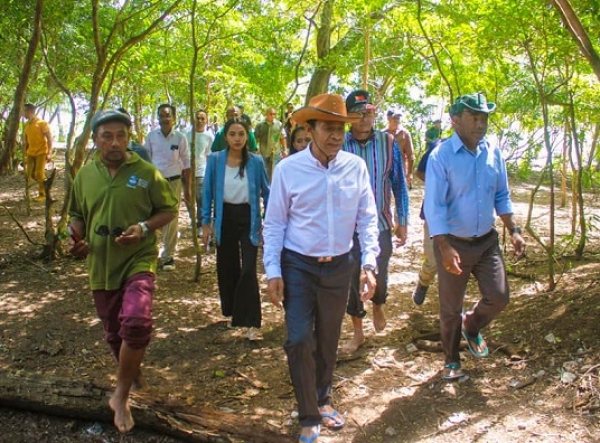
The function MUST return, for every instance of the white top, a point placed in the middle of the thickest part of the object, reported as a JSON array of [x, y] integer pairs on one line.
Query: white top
[[315, 210], [235, 189], [170, 154], [203, 142]]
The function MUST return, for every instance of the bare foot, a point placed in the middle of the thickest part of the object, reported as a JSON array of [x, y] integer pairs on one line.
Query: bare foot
[[123, 418], [353, 345], [139, 383], [379, 320]]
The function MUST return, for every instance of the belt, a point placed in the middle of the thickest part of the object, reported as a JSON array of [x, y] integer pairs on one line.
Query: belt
[[175, 177], [323, 259], [473, 239]]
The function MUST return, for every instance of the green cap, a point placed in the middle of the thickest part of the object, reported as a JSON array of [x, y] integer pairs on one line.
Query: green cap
[[475, 102]]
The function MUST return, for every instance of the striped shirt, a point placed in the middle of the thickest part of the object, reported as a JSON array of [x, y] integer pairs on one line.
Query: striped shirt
[[384, 163]]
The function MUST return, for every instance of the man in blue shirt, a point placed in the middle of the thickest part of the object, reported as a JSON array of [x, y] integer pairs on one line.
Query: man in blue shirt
[[467, 183]]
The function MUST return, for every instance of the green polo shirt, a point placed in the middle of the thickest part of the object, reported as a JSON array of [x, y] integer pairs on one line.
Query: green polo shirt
[[433, 134], [106, 204]]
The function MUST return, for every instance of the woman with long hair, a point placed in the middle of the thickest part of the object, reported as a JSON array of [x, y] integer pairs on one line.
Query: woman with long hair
[[299, 139], [234, 182]]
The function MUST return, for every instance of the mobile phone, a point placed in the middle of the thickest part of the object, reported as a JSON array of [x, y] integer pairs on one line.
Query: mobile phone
[[73, 234]]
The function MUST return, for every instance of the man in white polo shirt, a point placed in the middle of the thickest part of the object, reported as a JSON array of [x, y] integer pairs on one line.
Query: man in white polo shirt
[[170, 154]]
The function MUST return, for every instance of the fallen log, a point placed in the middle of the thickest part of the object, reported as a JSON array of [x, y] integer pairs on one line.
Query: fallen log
[[83, 400]]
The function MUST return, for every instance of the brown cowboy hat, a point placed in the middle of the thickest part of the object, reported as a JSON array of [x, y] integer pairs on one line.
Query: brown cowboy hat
[[327, 107]]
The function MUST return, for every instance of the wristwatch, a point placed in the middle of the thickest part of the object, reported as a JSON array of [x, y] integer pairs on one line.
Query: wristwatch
[[515, 230], [371, 268], [145, 228]]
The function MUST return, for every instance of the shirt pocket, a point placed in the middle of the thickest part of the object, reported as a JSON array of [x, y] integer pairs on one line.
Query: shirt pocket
[[491, 180], [345, 198]]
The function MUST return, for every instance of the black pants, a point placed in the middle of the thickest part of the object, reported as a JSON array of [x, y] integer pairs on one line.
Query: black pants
[[236, 268], [356, 308], [315, 297]]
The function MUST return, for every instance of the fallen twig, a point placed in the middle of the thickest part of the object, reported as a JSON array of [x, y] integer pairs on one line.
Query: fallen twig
[[21, 227]]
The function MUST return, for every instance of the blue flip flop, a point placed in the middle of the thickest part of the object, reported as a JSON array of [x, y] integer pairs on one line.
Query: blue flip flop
[[452, 371], [334, 416], [311, 438], [475, 341]]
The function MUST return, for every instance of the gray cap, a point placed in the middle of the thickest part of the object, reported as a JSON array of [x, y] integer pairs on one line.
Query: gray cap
[[109, 115]]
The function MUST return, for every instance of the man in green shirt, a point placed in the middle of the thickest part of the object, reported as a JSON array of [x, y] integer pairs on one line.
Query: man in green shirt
[[434, 133], [117, 203]]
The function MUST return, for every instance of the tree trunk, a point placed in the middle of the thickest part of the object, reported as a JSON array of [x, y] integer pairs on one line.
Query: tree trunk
[[319, 82], [83, 400], [12, 123], [578, 32]]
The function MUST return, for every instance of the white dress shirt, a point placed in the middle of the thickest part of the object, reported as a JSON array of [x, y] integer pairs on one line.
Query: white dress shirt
[[314, 210], [203, 143], [170, 154]]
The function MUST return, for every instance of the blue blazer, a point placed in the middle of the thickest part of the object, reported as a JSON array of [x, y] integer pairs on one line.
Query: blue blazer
[[212, 193]]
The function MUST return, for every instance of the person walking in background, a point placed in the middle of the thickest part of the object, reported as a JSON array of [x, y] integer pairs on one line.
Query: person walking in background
[[271, 140], [219, 143], [434, 133], [288, 124], [135, 146], [382, 156], [37, 149], [404, 141], [244, 116], [319, 197], [117, 203], [203, 140], [170, 153], [234, 182], [428, 269], [466, 183], [299, 140]]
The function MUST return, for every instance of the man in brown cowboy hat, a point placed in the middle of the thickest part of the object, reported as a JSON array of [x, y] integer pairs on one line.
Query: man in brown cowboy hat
[[318, 197]]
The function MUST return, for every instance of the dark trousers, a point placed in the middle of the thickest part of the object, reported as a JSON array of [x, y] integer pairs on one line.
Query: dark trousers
[[484, 260], [237, 279], [315, 298], [356, 308]]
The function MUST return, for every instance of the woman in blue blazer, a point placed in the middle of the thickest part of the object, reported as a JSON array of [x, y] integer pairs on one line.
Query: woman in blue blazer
[[234, 182]]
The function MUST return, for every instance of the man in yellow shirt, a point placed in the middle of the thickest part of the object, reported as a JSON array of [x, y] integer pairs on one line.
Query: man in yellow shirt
[[37, 148]]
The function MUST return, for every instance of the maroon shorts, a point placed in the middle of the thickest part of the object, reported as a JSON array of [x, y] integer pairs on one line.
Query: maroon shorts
[[126, 313]]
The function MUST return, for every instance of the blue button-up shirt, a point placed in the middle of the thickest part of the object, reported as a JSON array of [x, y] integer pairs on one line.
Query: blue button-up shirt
[[464, 188]]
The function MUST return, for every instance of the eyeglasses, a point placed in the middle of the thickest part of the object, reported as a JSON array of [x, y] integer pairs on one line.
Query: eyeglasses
[[104, 231]]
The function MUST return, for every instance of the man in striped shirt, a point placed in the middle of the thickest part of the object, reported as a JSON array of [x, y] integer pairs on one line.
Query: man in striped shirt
[[382, 155]]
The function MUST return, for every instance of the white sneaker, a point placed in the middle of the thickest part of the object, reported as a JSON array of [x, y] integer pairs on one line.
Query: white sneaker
[[253, 334], [169, 265]]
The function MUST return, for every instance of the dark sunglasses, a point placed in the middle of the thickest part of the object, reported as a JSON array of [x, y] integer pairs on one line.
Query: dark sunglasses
[[104, 231]]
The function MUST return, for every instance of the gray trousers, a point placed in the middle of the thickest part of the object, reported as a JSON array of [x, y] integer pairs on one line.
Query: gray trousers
[[481, 257]]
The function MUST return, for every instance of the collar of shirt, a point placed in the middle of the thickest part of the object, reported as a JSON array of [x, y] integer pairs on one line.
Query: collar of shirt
[[351, 138], [457, 143]]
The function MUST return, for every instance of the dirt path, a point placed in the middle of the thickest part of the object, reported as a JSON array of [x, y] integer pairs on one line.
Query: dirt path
[[391, 391]]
